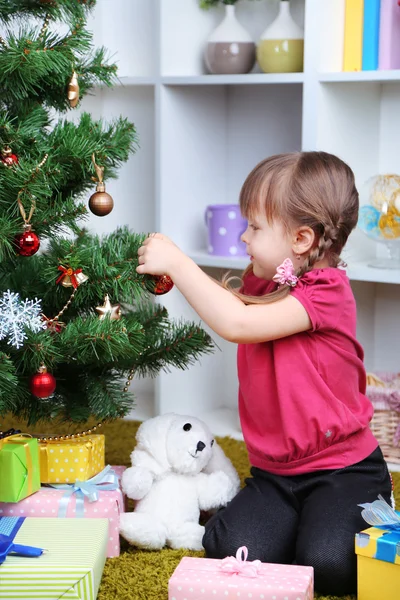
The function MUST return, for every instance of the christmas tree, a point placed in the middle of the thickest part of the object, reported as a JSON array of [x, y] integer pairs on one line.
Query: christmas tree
[[77, 323]]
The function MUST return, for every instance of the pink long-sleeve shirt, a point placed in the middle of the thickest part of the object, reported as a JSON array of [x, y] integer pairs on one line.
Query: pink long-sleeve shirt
[[302, 398]]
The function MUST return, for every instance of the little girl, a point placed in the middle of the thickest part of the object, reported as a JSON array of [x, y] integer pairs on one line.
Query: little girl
[[303, 410]]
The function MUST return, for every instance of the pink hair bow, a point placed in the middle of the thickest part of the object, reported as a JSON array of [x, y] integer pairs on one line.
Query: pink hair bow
[[239, 566], [285, 274]]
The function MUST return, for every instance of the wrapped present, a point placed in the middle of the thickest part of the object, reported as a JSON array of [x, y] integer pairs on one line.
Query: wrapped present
[[70, 567], [98, 497], [19, 467], [234, 576], [378, 553], [72, 459]]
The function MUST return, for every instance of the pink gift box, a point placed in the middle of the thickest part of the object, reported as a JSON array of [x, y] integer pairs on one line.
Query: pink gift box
[[205, 578], [46, 503]]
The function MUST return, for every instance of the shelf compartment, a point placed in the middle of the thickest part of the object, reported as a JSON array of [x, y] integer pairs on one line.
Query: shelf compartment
[[185, 29], [211, 138]]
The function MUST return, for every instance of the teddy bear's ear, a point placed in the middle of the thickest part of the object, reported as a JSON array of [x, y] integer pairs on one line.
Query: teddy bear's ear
[[152, 437]]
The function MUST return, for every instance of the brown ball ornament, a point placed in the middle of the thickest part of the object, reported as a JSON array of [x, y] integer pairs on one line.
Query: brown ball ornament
[[101, 203]]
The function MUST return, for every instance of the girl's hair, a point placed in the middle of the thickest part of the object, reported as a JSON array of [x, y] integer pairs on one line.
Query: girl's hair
[[313, 189]]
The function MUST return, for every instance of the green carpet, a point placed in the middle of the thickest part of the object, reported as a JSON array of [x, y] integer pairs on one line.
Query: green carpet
[[143, 575]]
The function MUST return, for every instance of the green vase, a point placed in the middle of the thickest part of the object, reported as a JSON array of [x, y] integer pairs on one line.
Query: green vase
[[281, 47]]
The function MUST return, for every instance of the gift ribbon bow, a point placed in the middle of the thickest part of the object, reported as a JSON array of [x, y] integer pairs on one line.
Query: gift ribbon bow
[[21, 439], [239, 565], [381, 515], [106, 480], [69, 272], [9, 527]]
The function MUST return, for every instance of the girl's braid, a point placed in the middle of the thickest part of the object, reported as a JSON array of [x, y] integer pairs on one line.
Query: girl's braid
[[325, 242]]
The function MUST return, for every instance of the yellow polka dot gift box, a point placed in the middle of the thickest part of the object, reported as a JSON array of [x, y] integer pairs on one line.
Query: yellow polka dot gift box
[[72, 459], [378, 553], [236, 577]]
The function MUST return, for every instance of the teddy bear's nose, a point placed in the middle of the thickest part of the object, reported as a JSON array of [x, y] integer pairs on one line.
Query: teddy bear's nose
[[200, 446]]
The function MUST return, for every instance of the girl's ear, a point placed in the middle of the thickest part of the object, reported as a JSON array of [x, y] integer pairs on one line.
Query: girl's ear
[[304, 240]]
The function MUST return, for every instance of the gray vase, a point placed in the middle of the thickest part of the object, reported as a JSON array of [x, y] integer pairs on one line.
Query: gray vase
[[230, 49]]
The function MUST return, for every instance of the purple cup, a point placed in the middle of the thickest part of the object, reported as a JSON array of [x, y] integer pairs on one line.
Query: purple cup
[[225, 226]]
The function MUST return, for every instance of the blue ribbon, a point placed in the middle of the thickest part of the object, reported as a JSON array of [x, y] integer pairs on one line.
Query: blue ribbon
[[106, 480], [381, 515], [9, 527]]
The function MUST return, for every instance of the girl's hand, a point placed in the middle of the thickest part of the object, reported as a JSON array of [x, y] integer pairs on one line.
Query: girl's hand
[[158, 255]]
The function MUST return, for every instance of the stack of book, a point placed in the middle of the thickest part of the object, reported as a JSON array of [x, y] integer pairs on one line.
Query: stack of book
[[371, 34]]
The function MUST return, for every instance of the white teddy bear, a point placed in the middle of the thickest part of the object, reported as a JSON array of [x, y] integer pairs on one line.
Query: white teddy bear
[[177, 470]]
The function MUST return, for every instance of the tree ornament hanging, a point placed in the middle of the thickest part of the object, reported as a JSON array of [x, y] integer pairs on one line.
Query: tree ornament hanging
[[27, 243], [70, 277], [158, 284], [42, 384], [73, 90], [113, 312], [16, 316], [8, 158], [100, 203]]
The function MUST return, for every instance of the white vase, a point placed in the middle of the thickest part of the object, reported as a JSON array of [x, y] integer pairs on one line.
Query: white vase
[[229, 48], [281, 47]]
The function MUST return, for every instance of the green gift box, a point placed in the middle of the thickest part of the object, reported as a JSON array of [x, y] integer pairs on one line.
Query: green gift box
[[19, 468], [71, 566]]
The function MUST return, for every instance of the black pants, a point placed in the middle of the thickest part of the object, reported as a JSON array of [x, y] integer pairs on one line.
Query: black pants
[[306, 519]]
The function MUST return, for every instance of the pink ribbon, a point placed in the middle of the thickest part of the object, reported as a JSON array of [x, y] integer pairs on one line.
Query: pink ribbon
[[239, 566], [285, 274]]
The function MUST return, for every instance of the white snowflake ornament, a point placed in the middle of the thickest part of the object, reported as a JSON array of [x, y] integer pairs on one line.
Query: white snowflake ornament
[[16, 315]]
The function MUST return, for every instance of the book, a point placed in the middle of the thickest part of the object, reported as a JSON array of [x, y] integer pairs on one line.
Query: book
[[332, 35], [389, 35], [353, 35], [370, 52]]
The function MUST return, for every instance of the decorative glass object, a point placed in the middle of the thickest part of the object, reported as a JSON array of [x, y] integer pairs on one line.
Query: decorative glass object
[[379, 217], [230, 48], [281, 46]]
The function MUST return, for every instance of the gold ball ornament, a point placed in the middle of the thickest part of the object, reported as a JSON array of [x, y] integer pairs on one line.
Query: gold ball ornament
[[389, 223], [101, 203], [113, 312], [73, 91]]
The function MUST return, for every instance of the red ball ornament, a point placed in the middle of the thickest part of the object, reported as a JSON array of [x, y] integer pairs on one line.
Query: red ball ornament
[[8, 158], [42, 384], [158, 284], [27, 243]]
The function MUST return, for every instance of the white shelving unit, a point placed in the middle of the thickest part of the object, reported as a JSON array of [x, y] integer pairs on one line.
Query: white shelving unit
[[201, 134]]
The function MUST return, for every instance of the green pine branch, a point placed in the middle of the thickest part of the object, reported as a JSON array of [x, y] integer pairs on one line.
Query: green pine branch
[[66, 11], [90, 358]]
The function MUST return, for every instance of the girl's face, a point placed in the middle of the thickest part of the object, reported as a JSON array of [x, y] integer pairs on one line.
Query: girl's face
[[267, 245]]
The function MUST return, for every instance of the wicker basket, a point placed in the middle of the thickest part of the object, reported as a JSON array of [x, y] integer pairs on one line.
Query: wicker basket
[[383, 390]]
